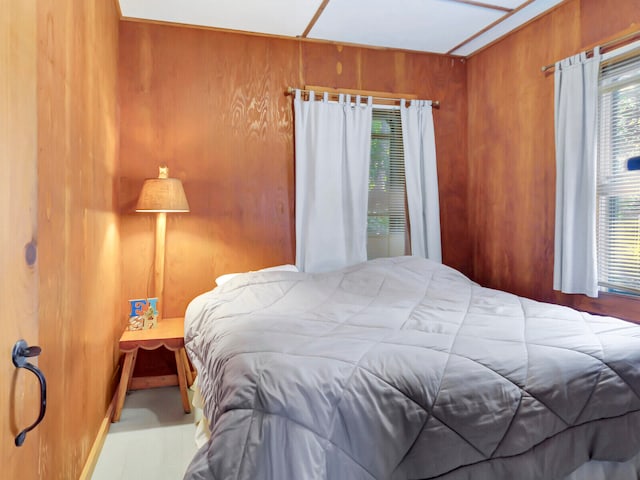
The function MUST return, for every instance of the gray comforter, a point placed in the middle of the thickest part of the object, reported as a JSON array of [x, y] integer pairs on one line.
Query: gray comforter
[[405, 369]]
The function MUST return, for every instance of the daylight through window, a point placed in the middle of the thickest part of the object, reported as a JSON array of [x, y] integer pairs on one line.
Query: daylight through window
[[387, 218], [619, 188]]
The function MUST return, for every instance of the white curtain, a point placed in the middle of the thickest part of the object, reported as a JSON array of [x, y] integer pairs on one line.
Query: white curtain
[[576, 99], [421, 178], [332, 147]]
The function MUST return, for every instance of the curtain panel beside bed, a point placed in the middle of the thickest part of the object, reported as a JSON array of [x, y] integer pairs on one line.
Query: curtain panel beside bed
[[576, 97], [422, 179], [332, 145]]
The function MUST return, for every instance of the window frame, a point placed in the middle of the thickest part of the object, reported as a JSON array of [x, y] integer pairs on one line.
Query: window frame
[[615, 184]]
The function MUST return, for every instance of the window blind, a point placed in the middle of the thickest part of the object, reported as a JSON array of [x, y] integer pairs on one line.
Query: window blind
[[387, 219], [618, 188]]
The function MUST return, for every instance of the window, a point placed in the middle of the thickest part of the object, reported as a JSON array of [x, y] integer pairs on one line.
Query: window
[[618, 188], [387, 223]]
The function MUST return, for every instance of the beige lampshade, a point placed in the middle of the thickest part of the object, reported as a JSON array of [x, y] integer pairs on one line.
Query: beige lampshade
[[162, 194]]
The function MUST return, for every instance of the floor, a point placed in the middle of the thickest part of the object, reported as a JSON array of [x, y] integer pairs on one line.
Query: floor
[[153, 439]]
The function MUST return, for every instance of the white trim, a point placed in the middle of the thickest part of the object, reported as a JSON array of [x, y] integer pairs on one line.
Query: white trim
[[621, 51]]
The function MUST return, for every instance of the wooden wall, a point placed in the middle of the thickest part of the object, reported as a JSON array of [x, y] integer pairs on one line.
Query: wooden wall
[[78, 239], [211, 105], [511, 149]]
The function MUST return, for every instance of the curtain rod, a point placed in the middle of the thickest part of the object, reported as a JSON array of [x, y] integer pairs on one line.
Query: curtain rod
[[615, 42], [291, 90]]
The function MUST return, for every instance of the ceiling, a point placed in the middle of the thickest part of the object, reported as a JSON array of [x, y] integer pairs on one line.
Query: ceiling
[[455, 27]]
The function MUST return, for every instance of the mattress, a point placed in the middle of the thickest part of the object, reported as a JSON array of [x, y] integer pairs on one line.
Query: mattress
[[403, 368]]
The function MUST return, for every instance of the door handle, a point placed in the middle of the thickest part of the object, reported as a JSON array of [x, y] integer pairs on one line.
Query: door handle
[[22, 351]]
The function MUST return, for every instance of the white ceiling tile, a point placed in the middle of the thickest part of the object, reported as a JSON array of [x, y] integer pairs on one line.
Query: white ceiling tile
[[277, 17], [514, 21], [427, 25], [423, 25]]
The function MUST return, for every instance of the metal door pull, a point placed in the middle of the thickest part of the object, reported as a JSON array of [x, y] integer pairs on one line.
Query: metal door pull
[[22, 351]]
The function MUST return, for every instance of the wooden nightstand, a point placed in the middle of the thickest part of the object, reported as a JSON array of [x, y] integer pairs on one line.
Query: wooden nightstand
[[169, 334]]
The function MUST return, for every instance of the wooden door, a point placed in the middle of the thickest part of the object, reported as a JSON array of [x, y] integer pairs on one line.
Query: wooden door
[[19, 389]]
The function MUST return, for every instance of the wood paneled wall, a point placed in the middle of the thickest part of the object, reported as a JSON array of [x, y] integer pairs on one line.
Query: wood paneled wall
[[211, 105], [511, 150], [78, 239]]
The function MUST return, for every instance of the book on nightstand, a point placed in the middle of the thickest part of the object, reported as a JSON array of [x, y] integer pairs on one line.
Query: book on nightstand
[[143, 314]]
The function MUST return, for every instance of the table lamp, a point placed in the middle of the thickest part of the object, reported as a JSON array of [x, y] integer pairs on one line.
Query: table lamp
[[161, 195]]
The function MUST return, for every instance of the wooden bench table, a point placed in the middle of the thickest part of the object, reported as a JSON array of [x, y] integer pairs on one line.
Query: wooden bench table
[[169, 334]]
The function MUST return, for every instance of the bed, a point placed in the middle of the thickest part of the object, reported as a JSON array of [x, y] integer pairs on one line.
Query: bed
[[403, 368]]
